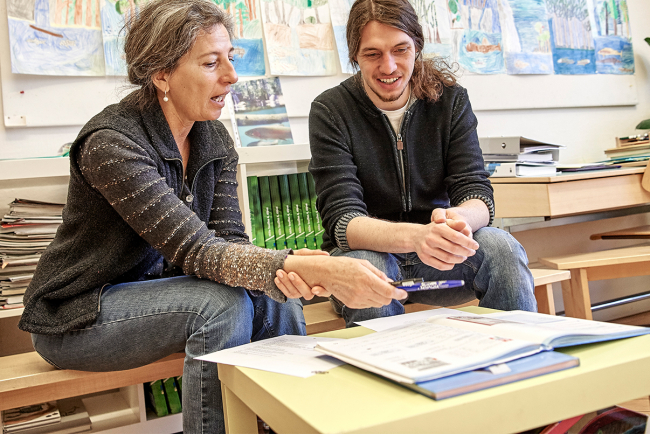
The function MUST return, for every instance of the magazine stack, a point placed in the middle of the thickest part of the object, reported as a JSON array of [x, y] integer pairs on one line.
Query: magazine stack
[[26, 230]]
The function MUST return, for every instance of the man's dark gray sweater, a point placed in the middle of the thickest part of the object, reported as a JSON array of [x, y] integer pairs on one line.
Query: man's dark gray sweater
[[356, 163]]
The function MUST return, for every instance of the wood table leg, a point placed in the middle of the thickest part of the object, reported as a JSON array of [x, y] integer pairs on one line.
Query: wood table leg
[[544, 297], [575, 292], [238, 417]]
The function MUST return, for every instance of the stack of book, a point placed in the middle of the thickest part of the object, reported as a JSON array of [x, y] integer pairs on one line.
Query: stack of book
[[283, 212], [165, 396], [25, 232], [65, 416], [632, 150], [518, 156]]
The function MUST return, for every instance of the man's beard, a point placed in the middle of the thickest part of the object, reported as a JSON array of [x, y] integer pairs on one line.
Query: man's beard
[[389, 99]]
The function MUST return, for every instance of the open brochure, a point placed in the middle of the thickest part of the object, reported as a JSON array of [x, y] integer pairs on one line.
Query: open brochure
[[549, 331], [425, 351]]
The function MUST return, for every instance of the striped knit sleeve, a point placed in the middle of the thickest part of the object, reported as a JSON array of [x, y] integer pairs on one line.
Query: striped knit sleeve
[[128, 178]]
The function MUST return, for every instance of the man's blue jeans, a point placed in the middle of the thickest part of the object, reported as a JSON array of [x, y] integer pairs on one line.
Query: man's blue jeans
[[497, 275], [141, 322]]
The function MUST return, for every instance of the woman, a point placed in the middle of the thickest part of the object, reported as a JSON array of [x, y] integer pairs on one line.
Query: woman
[[152, 257]]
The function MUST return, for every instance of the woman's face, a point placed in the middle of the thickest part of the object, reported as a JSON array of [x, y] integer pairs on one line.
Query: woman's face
[[198, 86]]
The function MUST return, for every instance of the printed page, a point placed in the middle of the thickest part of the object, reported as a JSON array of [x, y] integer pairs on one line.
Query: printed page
[[424, 351], [539, 328], [290, 355], [380, 324]]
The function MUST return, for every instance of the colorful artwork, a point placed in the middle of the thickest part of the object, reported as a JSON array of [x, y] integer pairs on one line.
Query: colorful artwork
[[299, 37], [55, 37], [339, 12], [480, 48], [114, 14], [571, 37], [260, 115], [612, 37], [249, 47], [434, 18], [526, 37]]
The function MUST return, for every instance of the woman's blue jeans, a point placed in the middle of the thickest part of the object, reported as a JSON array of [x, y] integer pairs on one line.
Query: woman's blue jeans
[[141, 322], [497, 275]]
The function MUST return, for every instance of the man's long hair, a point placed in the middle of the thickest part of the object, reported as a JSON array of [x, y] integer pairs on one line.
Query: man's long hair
[[430, 75]]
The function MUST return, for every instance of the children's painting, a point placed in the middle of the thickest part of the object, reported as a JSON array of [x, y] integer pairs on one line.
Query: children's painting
[[339, 12], [55, 37], [571, 37], [480, 47], [299, 37], [248, 44], [114, 14], [434, 18], [526, 37], [260, 115], [612, 37]]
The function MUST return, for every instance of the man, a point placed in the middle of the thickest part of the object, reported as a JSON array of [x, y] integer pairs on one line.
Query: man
[[399, 172]]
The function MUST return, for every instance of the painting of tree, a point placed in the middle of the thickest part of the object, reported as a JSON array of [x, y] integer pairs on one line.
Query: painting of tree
[[571, 25]]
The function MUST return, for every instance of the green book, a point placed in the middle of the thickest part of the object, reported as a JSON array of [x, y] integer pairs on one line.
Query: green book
[[276, 205], [296, 207], [267, 212], [255, 205], [179, 381], [287, 215], [157, 398], [306, 210], [173, 398], [318, 223]]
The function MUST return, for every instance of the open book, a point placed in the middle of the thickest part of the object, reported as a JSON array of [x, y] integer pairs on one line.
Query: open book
[[446, 345], [549, 331]]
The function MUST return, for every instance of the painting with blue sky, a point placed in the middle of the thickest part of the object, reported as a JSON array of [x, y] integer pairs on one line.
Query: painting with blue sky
[[339, 12], [55, 37], [526, 37], [481, 47]]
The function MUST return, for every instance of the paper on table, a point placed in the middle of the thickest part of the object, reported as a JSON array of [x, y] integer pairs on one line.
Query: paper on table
[[380, 324], [290, 355]]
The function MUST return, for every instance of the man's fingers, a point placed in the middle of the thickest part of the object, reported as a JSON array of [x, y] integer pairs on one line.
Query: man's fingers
[[289, 292], [309, 252], [439, 215], [300, 286]]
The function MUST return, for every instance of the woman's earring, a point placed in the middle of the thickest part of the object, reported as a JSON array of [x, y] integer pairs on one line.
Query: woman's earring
[[165, 97]]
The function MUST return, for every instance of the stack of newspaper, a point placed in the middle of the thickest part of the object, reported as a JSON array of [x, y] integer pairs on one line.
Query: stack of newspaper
[[65, 416], [26, 230]]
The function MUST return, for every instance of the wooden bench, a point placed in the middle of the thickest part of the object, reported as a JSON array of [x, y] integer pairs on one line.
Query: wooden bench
[[586, 267]]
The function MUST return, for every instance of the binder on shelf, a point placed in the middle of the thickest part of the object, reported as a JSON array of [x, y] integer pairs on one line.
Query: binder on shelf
[[173, 398], [287, 214], [255, 206], [503, 170], [276, 206], [296, 207], [517, 146], [267, 212], [157, 400], [306, 207], [318, 223]]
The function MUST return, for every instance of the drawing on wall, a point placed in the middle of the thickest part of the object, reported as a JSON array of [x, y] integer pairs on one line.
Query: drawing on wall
[[260, 115], [339, 12], [248, 43], [114, 14], [434, 18], [55, 37], [480, 47], [299, 37], [571, 37], [526, 37], [612, 37]]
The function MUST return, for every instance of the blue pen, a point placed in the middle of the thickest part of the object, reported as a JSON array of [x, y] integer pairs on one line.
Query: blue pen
[[420, 285]]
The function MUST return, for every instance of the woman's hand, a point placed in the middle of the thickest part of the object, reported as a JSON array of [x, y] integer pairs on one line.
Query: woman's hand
[[355, 282], [293, 286]]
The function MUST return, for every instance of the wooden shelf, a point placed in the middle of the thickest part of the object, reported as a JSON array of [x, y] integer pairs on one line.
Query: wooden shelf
[[8, 313], [274, 154], [34, 168]]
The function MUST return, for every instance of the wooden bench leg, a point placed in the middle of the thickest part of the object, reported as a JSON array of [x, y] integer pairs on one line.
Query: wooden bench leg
[[544, 297], [575, 292]]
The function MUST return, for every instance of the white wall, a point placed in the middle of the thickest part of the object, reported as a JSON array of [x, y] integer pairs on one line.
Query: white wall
[[585, 131]]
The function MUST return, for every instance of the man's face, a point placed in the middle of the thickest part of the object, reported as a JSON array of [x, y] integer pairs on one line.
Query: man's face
[[386, 57]]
